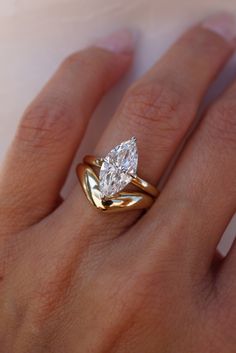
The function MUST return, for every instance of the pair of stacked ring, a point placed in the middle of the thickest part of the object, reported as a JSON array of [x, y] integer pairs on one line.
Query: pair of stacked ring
[[117, 170]]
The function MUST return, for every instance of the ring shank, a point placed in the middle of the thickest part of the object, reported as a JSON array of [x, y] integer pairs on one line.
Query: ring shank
[[136, 180]]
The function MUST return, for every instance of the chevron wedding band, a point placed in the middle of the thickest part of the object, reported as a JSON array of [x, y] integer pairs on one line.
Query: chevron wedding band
[[117, 170]]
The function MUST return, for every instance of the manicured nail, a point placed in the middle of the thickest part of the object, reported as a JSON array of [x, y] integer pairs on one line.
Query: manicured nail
[[121, 42], [224, 24]]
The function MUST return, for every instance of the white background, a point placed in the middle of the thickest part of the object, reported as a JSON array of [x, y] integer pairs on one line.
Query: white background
[[36, 35]]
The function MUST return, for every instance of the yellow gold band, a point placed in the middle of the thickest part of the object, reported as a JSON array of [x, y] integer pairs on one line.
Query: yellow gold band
[[123, 201], [140, 183]]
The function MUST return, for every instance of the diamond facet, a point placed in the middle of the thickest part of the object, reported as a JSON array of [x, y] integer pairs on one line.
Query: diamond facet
[[118, 168]]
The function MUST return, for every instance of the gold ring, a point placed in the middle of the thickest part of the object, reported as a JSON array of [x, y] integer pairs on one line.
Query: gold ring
[[117, 170]]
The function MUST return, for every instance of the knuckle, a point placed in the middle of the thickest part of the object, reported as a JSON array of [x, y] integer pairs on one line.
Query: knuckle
[[221, 123], [45, 124], [155, 107]]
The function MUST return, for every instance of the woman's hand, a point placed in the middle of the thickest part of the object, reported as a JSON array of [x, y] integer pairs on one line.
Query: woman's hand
[[75, 280]]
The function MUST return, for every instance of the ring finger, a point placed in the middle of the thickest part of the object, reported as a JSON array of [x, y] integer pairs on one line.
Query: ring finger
[[159, 109]]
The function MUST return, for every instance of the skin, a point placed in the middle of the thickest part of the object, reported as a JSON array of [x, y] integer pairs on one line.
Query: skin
[[75, 280]]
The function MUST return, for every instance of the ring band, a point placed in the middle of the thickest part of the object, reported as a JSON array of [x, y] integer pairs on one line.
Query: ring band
[[117, 170]]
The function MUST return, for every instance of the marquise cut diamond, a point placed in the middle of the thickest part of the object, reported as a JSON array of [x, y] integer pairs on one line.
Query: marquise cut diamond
[[118, 168]]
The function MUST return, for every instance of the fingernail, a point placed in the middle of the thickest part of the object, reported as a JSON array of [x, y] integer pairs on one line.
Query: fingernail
[[224, 24], [121, 42]]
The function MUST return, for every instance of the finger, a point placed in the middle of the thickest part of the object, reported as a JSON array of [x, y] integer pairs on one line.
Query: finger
[[158, 110], [202, 188], [53, 126]]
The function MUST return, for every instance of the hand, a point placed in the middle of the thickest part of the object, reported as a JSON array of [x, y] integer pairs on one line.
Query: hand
[[75, 280]]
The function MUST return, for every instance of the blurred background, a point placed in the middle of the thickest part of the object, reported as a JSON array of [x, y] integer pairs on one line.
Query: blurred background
[[36, 35]]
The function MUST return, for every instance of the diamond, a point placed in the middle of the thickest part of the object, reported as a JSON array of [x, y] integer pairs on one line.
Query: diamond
[[118, 167]]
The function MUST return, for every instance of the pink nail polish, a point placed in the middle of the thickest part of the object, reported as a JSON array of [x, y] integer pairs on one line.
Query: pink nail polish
[[121, 42], [223, 23]]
